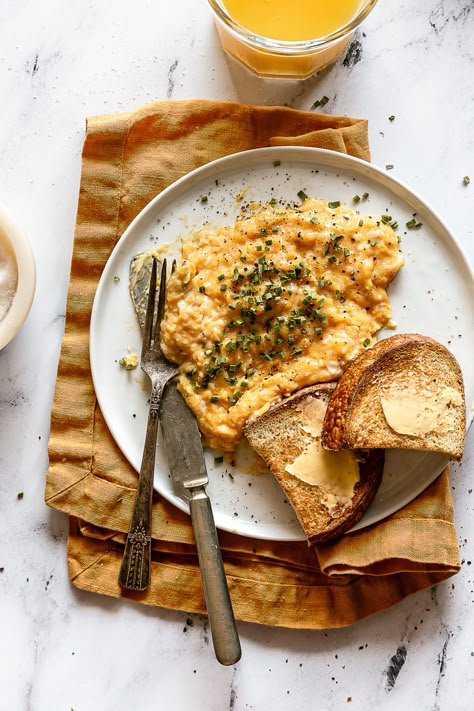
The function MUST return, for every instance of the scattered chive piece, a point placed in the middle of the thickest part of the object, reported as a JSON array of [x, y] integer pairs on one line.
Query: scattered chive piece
[[318, 331], [412, 224], [276, 163], [223, 287], [117, 278], [366, 342], [19, 495], [466, 180], [334, 204], [302, 195], [365, 196], [231, 475], [361, 222], [372, 244], [203, 198], [220, 277], [218, 460], [202, 289], [389, 166], [391, 118], [214, 398], [356, 198], [324, 100]]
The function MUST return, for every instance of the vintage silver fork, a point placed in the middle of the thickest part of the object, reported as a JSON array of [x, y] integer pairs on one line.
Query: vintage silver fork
[[135, 568]]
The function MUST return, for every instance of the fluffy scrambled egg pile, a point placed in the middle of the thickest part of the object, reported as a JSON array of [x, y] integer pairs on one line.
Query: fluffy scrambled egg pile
[[283, 299]]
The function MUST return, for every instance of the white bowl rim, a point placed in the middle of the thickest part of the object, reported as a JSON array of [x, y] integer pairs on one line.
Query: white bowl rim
[[23, 298]]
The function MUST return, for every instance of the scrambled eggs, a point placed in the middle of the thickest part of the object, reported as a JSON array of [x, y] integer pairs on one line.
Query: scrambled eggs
[[283, 299]]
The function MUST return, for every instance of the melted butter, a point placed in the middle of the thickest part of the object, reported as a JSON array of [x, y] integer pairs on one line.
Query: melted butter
[[315, 322], [418, 412], [313, 410], [336, 473]]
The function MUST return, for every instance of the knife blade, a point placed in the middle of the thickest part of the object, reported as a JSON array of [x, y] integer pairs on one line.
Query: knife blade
[[184, 452]]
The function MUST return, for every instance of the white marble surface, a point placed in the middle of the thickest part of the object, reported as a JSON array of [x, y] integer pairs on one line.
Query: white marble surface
[[61, 649]]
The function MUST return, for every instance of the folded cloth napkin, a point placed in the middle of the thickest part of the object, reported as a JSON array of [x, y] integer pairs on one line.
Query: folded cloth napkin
[[127, 160]]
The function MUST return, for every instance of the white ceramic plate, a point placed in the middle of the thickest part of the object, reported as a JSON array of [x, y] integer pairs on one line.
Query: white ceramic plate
[[433, 294]]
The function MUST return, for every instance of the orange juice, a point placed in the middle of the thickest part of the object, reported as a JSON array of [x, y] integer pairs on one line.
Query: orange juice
[[287, 38], [292, 20]]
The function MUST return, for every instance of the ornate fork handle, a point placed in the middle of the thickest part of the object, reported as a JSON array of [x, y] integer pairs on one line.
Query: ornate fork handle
[[135, 568]]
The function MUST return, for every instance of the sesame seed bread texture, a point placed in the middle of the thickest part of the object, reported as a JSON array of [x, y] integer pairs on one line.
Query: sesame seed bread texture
[[355, 416], [279, 438]]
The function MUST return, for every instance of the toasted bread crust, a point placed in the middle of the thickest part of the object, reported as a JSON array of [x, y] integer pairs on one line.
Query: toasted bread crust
[[354, 417], [278, 438]]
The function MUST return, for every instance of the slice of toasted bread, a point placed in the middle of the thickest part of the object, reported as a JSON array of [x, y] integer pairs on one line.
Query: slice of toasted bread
[[286, 437], [405, 392]]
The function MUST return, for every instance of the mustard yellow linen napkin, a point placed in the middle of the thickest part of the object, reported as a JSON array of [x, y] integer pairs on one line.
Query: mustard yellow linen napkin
[[128, 159]]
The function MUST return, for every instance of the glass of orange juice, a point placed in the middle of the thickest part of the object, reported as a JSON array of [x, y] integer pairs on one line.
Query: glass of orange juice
[[287, 38]]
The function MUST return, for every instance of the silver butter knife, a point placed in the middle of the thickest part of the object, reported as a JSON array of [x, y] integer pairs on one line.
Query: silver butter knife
[[183, 448]]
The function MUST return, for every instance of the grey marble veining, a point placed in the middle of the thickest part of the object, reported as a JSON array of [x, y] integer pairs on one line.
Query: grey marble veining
[[63, 649]]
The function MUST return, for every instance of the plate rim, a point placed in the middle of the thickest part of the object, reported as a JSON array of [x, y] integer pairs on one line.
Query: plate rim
[[330, 159]]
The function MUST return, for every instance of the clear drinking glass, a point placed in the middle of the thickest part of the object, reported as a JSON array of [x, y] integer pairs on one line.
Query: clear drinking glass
[[276, 58]]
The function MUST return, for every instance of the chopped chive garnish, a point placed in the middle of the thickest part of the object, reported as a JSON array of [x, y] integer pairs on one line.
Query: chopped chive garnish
[[202, 289], [214, 398], [391, 118], [356, 198], [372, 244], [466, 180], [223, 287], [318, 330], [334, 204], [302, 195], [220, 277], [412, 224], [324, 100], [361, 222], [117, 278], [365, 196], [203, 198], [366, 342], [276, 163], [389, 166]]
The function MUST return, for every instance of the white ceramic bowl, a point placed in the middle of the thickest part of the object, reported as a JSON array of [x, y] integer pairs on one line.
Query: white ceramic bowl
[[16, 264]]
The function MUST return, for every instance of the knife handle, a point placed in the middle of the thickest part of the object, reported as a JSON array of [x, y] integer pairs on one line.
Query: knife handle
[[219, 607]]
